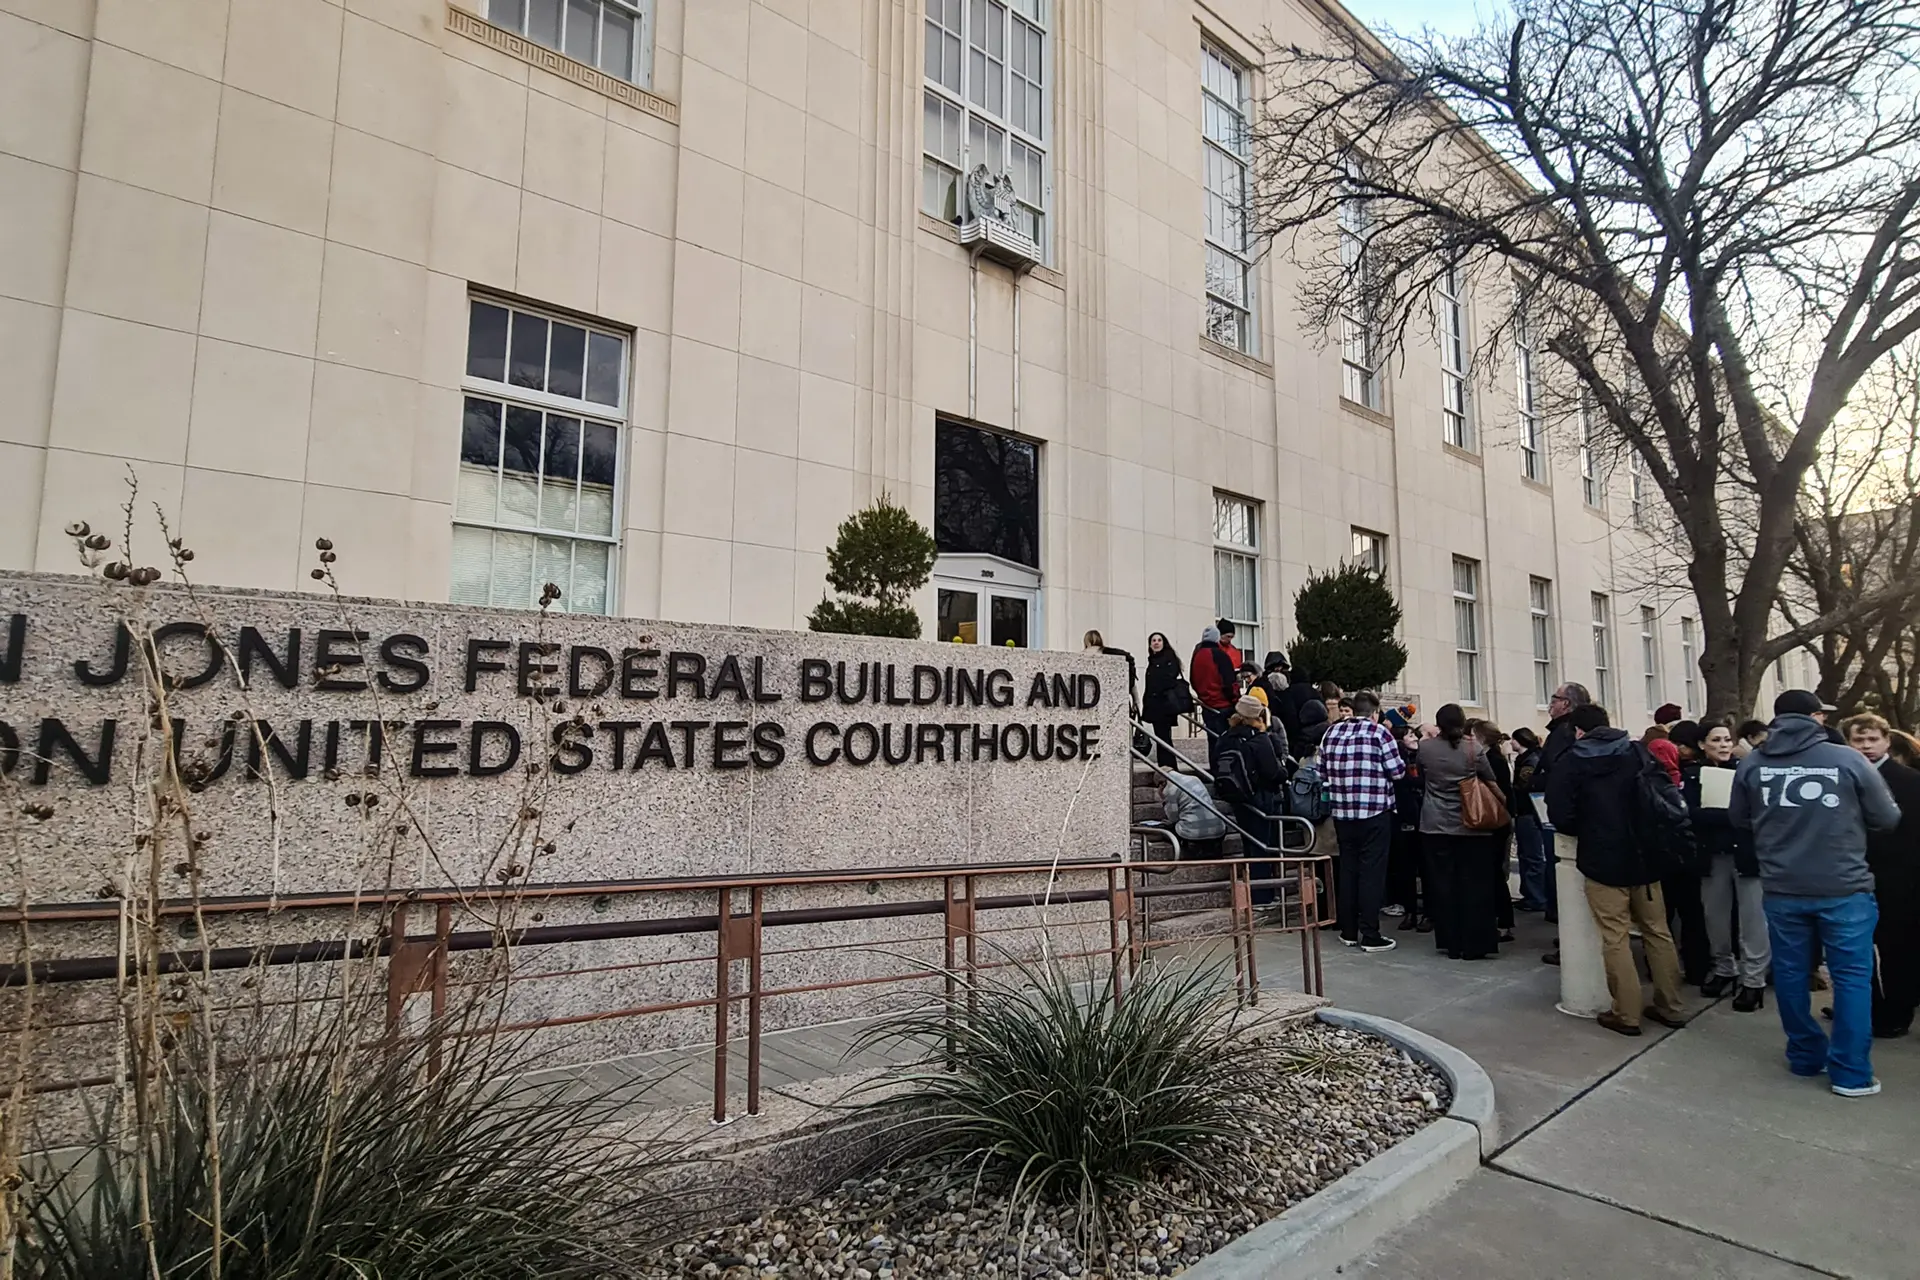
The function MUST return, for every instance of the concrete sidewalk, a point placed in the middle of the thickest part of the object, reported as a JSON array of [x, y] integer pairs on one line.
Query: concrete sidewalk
[[1686, 1153]]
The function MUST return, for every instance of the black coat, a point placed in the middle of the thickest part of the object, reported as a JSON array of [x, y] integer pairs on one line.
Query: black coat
[[1558, 742], [1590, 796], [1288, 712], [1713, 829], [1894, 856], [1502, 778], [1523, 784], [1163, 673]]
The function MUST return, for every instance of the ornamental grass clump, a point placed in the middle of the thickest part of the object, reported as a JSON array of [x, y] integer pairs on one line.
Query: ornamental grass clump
[[352, 1159], [1043, 1084]]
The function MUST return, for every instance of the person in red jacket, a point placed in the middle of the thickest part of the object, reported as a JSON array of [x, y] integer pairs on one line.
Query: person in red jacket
[[1658, 741], [1213, 675], [1225, 627]]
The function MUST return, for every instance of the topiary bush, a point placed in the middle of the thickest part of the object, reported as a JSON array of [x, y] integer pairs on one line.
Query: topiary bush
[[881, 556], [1346, 618]]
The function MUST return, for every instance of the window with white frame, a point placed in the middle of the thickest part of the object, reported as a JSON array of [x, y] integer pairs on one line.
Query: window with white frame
[[1589, 473], [1370, 550], [1451, 297], [1637, 488], [614, 35], [536, 500], [1227, 149], [1690, 665], [1602, 649], [1540, 614], [1526, 356], [1236, 567], [1650, 656], [1359, 334], [1466, 628], [986, 103]]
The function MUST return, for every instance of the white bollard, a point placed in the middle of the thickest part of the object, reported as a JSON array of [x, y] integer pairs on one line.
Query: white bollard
[[1583, 975]]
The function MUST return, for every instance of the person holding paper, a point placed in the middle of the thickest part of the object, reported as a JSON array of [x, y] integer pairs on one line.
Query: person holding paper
[[1732, 878]]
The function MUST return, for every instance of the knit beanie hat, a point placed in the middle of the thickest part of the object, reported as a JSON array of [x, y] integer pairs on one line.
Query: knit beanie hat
[[1250, 709], [1210, 635]]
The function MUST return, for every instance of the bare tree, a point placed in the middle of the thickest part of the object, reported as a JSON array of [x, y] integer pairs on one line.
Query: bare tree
[[1858, 532], [1711, 213]]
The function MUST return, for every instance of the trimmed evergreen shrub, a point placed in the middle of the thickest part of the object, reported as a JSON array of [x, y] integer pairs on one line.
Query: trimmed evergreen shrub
[[880, 558], [1346, 618]]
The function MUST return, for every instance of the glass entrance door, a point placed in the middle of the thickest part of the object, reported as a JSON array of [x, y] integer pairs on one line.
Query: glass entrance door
[[975, 613]]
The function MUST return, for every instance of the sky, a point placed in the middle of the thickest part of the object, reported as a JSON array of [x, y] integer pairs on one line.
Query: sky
[[1452, 17]]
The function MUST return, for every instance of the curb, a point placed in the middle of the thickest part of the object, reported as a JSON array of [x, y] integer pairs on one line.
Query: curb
[[1343, 1219]]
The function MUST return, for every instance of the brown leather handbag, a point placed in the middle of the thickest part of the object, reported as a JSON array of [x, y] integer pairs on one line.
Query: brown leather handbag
[[1482, 807]]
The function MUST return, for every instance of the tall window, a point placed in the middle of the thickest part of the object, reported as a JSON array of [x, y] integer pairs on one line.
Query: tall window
[[1690, 665], [986, 494], [1228, 153], [1637, 488], [613, 35], [1540, 610], [1359, 336], [539, 460], [1456, 426], [1466, 627], [1526, 356], [1370, 550], [986, 103], [1602, 649], [1650, 655], [1589, 474], [1236, 567]]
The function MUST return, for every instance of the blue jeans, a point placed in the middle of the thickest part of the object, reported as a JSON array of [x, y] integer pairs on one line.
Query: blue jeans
[[1843, 927], [1532, 850]]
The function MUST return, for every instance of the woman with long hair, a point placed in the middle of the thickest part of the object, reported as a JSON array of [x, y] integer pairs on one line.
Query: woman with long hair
[[1459, 896], [1165, 697], [1530, 843], [1732, 884], [1403, 856]]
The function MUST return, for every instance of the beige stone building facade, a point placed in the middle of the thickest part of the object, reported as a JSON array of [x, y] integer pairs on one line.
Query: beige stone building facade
[[643, 297]]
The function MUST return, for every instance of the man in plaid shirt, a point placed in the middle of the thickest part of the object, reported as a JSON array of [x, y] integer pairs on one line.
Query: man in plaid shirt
[[1360, 762]]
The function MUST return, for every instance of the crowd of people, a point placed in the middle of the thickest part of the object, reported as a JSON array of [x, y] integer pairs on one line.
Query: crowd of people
[[1741, 856]]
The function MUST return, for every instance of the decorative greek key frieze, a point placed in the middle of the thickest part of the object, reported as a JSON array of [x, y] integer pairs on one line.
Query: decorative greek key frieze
[[524, 50]]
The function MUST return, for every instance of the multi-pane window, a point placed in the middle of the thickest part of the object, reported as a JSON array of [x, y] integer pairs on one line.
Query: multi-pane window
[[1637, 488], [539, 460], [1466, 627], [1236, 567], [1359, 334], [1456, 426], [1602, 649], [1228, 154], [1370, 550], [1540, 614], [1526, 356], [1589, 474], [613, 35], [1690, 665], [1650, 656], [986, 103]]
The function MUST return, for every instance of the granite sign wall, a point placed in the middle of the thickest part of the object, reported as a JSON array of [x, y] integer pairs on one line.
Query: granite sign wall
[[329, 744]]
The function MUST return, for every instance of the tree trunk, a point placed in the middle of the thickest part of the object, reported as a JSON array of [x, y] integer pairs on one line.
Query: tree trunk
[[1724, 669]]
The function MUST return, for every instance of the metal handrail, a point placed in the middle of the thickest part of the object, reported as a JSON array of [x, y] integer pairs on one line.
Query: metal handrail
[[1284, 849], [1166, 833]]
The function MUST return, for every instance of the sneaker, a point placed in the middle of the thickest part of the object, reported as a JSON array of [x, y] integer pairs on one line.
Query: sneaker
[[1861, 1091], [1345, 941], [1393, 909], [1618, 1025], [1377, 943]]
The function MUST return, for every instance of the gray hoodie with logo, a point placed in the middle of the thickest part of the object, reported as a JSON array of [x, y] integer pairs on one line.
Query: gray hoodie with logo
[[1810, 803]]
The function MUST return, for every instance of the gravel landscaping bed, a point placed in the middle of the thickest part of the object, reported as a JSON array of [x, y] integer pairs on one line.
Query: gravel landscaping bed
[[909, 1224]]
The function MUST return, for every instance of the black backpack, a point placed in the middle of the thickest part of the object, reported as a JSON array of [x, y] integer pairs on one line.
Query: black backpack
[[1233, 776], [1661, 826]]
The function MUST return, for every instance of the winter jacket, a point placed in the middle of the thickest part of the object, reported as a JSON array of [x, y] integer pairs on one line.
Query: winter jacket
[[1520, 794], [1503, 779], [1669, 757], [1894, 855], [1191, 810], [1590, 796], [1291, 710], [1713, 829], [1133, 672], [1211, 673], [1559, 741], [1163, 676], [1268, 768], [1409, 793], [1810, 805]]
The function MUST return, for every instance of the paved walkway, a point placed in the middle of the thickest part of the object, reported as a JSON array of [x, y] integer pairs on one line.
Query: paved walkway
[[1689, 1153]]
